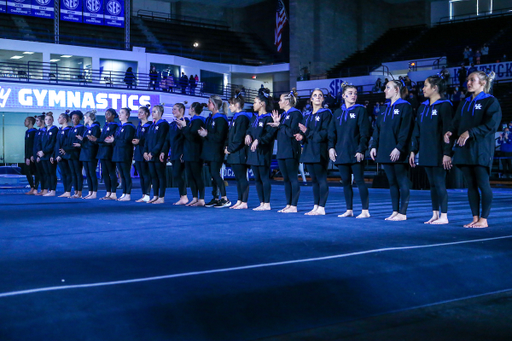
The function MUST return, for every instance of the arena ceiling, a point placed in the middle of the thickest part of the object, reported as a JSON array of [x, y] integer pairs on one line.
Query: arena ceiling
[[244, 3]]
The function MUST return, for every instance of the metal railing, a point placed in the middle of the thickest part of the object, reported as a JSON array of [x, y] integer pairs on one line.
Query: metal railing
[[474, 16], [183, 19], [52, 73]]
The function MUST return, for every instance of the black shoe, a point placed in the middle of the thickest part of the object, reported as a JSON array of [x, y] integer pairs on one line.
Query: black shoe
[[223, 203], [212, 203]]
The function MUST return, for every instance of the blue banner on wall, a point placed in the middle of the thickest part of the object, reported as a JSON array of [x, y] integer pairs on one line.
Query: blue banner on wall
[[93, 12], [20, 7], [43, 8], [71, 10], [114, 13], [3, 6]]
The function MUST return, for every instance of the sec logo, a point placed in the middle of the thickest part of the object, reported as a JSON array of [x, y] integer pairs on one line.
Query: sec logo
[[71, 4], [93, 5], [114, 7]]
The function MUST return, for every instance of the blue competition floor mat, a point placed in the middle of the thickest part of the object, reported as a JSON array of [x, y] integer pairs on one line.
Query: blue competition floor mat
[[105, 270]]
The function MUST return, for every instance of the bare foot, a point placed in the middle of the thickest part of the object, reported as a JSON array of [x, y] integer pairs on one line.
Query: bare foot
[[349, 213], [199, 203], [152, 200], [125, 197], [65, 195], [259, 208], [392, 216], [194, 200], [43, 192], [92, 196], [159, 201], [364, 214], [235, 205], [31, 192], [113, 196], [242, 206], [183, 201], [49, 194], [479, 224], [440, 221], [283, 210], [399, 217], [291, 209]]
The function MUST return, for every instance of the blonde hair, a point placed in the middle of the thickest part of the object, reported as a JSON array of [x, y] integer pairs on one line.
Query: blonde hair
[[91, 114], [160, 108], [487, 78], [219, 103], [291, 97]]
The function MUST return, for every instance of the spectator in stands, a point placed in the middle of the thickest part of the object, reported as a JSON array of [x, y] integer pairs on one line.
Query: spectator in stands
[[455, 98], [386, 81], [446, 75], [462, 74], [504, 58], [196, 77], [485, 52], [466, 54], [505, 142], [183, 83], [242, 91], [408, 83], [192, 85], [478, 56], [153, 77], [411, 98], [472, 68], [129, 78], [378, 85], [471, 56]]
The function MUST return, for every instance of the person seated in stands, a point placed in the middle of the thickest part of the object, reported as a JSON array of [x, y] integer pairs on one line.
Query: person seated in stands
[[378, 85], [485, 52], [472, 68]]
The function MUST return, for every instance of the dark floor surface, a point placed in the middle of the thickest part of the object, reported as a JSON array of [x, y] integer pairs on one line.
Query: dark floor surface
[[104, 270]]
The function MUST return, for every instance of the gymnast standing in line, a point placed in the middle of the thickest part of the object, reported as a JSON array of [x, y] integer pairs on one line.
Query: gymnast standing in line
[[140, 164], [432, 122], [473, 127], [215, 134], [236, 150], [30, 166], [192, 148], [48, 140], [123, 152], [59, 155], [37, 147], [349, 134], [89, 151], [105, 151], [260, 139], [288, 148], [391, 145], [153, 147], [314, 136], [174, 143], [73, 153]]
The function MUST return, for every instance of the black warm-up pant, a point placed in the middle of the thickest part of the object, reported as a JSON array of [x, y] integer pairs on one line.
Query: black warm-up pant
[[477, 178], [144, 176], [262, 180], [289, 169], [65, 171], [438, 194], [178, 176], [108, 172], [90, 173], [318, 173], [242, 185], [217, 182], [50, 174], [76, 172], [42, 176], [32, 174], [124, 169], [158, 178], [195, 178], [346, 172], [399, 186]]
